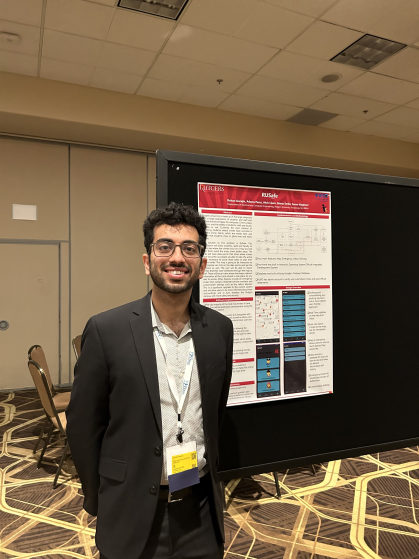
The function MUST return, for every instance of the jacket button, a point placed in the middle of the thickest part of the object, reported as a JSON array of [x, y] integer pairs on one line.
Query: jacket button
[[153, 490], [157, 451]]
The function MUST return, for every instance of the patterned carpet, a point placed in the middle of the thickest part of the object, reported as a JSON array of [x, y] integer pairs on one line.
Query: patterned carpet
[[361, 507]]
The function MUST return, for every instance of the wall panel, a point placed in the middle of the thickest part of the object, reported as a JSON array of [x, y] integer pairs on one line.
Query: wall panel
[[108, 207], [34, 173]]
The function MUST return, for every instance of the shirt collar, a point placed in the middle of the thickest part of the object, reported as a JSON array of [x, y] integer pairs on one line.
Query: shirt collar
[[163, 328]]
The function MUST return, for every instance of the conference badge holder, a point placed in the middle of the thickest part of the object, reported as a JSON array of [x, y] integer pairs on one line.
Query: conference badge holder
[[182, 467]]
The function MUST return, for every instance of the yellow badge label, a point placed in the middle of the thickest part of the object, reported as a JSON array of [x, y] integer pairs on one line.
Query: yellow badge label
[[183, 462]]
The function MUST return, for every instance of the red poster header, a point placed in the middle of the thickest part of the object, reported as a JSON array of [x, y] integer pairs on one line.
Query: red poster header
[[219, 299], [289, 287], [228, 197]]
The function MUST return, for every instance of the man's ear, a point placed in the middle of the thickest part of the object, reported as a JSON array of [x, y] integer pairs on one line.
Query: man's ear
[[146, 262], [202, 268]]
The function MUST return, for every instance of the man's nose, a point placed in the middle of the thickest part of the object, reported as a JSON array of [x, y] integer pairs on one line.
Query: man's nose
[[177, 253]]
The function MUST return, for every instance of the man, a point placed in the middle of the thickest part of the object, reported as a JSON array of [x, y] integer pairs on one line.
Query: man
[[153, 378]]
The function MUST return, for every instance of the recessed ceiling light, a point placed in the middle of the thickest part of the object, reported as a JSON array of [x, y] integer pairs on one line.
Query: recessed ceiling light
[[368, 51], [6, 37], [330, 78], [163, 8], [311, 117]]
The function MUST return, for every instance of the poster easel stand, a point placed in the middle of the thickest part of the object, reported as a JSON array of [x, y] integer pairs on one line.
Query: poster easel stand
[[278, 488]]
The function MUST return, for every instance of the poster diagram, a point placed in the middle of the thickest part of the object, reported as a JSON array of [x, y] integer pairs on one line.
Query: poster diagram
[[269, 270], [293, 239], [267, 316]]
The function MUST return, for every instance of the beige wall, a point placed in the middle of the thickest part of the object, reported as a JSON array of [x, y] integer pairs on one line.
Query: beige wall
[[108, 207], [91, 206], [51, 109], [34, 173]]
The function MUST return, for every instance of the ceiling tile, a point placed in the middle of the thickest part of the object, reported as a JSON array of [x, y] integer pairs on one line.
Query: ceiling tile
[[79, 17], [29, 38], [362, 14], [18, 63], [413, 104], [279, 91], [196, 73], [308, 7], [402, 116], [298, 68], [161, 89], [404, 64], [273, 26], [382, 129], [352, 106], [342, 122], [139, 30], [402, 25], [324, 40], [22, 11], [125, 59], [256, 107], [65, 71], [115, 81], [219, 15], [71, 48], [228, 52], [413, 138], [203, 97], [103, 2], [382, 88]]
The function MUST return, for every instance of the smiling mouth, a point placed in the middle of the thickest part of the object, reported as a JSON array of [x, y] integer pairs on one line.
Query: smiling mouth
[[176, 273]]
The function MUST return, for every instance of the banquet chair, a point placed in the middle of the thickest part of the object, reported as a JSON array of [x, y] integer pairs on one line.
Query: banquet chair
[[77, 345], [55, 420], [61, 399]]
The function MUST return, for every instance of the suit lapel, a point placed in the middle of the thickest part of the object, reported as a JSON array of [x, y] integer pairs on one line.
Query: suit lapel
[[142, 330]]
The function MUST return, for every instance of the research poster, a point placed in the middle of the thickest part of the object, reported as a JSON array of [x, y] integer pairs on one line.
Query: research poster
[[270, 271]]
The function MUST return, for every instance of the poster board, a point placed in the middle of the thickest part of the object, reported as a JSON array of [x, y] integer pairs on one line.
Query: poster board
[[374, 239]]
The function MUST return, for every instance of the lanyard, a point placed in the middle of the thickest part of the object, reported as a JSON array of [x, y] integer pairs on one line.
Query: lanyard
[[172, 382]]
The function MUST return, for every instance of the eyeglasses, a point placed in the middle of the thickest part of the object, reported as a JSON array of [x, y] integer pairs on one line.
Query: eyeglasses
[[189, 249]]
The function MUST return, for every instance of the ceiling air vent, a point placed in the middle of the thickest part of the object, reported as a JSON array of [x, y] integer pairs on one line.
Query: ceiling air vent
[[311, 117], [368, 51], [163, 8]]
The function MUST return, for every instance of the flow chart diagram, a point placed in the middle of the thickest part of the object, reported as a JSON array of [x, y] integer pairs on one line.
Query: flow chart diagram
[[292, 239]]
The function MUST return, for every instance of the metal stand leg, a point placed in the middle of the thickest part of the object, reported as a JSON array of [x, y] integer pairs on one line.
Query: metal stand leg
[[65, 451], [278, 489], [40, 437], [45, 445]]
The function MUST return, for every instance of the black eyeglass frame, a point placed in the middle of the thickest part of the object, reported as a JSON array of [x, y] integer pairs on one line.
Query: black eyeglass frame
[[201, 249]]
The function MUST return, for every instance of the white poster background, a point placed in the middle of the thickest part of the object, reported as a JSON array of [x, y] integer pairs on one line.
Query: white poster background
[[270, 271]]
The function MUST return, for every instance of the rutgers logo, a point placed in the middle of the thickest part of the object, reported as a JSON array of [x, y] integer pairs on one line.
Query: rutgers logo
[[213, 187]]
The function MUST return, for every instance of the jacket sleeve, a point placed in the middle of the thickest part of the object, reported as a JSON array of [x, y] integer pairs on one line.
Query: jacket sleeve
[[227, 379], [88, 413]]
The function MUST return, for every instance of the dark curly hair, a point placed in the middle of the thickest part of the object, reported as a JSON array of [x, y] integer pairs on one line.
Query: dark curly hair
[[174, 214]]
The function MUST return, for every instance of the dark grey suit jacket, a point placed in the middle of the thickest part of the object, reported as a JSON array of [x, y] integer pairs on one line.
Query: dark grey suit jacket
[[114, 424]]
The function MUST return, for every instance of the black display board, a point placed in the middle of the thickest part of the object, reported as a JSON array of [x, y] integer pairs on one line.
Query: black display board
[[375, 244]]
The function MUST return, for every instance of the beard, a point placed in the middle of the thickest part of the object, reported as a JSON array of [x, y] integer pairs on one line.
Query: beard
[[157, 275]]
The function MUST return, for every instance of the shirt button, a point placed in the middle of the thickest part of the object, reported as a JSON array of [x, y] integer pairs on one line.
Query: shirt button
[[157, 451], [153, 490]]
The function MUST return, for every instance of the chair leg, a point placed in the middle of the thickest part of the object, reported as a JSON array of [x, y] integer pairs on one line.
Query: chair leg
[[46, 442], [65, 451], [40, 437]]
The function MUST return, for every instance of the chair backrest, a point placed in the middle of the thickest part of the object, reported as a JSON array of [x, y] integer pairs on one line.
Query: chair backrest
[[44, 392], [36, 353], [77, 345]]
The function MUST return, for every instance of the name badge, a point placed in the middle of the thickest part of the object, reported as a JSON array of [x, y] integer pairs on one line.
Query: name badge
[[182, 466]]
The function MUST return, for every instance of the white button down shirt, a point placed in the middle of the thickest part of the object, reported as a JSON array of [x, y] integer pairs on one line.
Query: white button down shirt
[[177, 354]]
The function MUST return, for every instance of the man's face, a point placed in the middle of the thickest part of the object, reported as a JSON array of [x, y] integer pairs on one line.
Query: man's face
[[176, 273]]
